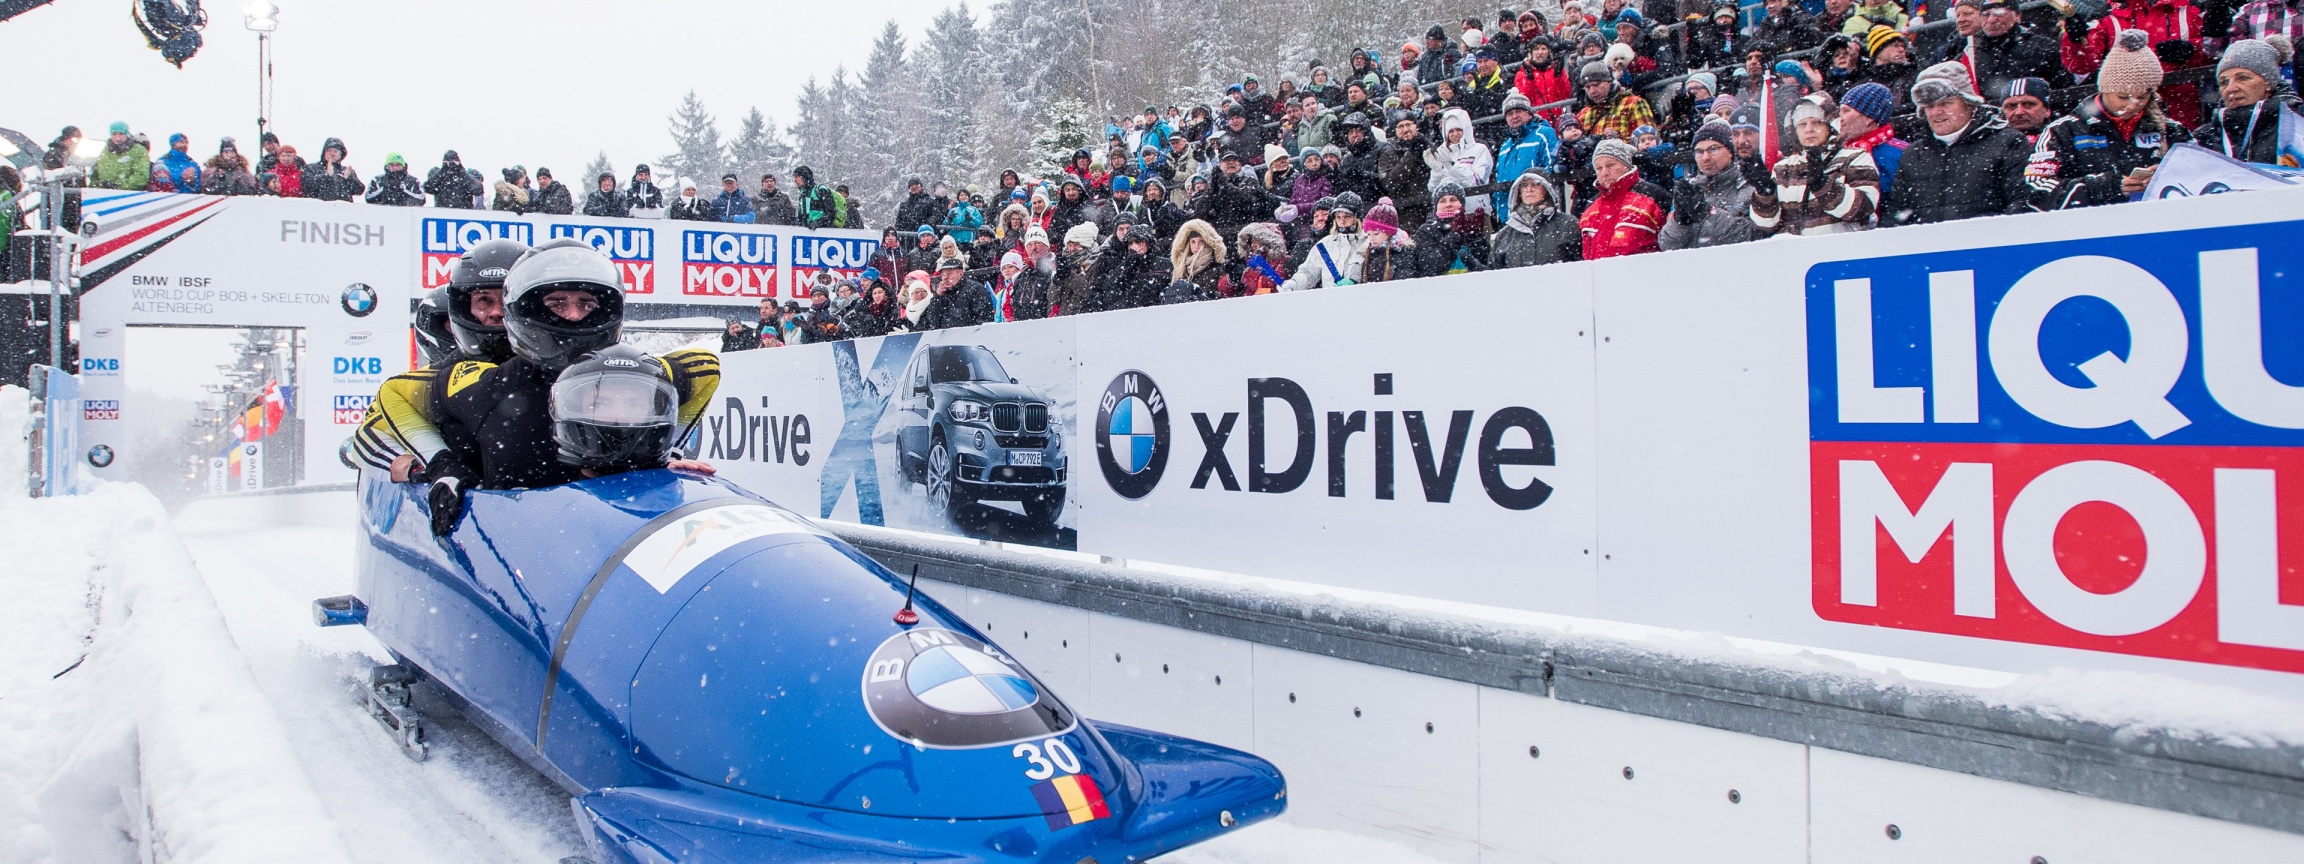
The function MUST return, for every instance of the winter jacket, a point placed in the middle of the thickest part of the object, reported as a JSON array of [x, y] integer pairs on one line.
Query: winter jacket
[[1391, 261], [1318, 130], [866, 321], [966, 304], [2162, 21], [1980, 174], [823, 324], [1337, 259], [1822, 190], [2018, 53], [965, 217], [1066, 214], [775, 208], [331, 182], [394, 189], [1360, 171], [1433, 66], [732, 207], [1407, 180], [815, 206], [1887, 152], [1790, 31], [1312, 185], [1073, 285], [1166, 218], [1129, 281], [451, 187], [510, 197], [1623, 220], [610, 202], [1206, 273], [1466, 163], [1533, 236], [183, 170], [1624, 112], [1543, 87], [553, 200], [919, 208], [289, 172], [2250, 134], [125, 168], [2081, 157], [642, 195], [1233, 201], [689, 208], [1709, 210], [229, 177], [1451, 246], [1520, 151], [1028, 298]]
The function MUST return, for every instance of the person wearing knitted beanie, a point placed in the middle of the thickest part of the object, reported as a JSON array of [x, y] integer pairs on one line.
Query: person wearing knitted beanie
[[2247, 126], [2106, 150]]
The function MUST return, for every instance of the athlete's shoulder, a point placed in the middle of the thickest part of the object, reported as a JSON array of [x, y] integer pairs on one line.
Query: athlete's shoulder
[[467, 373]]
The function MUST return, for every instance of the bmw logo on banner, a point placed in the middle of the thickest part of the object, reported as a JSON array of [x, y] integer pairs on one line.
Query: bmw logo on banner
[[1132, 434], [944, 689], [358, 300]]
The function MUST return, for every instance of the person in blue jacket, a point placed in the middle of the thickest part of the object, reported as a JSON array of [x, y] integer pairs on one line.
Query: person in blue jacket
[[732, 205], [1526, 145], [964, 217], [182, 168]]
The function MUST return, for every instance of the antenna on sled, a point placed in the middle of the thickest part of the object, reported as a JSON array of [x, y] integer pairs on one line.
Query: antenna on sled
[[906, 616]]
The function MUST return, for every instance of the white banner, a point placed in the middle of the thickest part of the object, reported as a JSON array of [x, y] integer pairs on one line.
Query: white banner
[[2016, 443], [346, 273], [2190, 170]]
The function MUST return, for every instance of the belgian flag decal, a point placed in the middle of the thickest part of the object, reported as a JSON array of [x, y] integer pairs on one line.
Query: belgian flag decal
[[1070, 800]]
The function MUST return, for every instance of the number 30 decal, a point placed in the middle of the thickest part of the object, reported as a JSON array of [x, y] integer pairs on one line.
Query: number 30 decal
[[1059, 757]]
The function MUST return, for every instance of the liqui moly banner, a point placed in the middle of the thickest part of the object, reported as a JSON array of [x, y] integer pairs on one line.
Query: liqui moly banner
[[2076, 443]]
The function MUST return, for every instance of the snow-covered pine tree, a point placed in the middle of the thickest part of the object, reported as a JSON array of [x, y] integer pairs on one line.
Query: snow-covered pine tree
[[697, 152], [590, 179], [954, 67], [758, 148], [885, 113], [1064, 127]]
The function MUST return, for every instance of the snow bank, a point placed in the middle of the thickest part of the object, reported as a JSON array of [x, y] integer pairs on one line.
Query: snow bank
[[154, 743]]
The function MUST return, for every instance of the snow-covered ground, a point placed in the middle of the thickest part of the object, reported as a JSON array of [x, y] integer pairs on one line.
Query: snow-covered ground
[[164, 696]]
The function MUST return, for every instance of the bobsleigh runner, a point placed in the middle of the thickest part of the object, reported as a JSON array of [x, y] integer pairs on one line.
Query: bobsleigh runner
[[714, 679]]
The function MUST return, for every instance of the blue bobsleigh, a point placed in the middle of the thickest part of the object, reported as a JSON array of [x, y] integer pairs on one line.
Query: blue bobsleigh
[[714, 679]]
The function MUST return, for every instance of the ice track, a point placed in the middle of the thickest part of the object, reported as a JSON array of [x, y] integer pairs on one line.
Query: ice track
[[263, 559]]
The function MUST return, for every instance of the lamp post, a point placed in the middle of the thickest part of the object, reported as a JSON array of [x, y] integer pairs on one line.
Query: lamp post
[[261, 17]]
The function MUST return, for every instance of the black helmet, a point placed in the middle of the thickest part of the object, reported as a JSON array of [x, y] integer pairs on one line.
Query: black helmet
[[545, 338], [433, 342], [482, 266], [614, 411], [1348, 202]]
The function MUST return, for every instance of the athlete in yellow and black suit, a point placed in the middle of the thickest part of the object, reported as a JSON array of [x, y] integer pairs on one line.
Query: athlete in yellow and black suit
[[494, 424], [489, 425], [463, 320]]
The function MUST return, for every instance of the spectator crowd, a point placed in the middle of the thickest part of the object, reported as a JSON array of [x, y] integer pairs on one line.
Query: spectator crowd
[[1588, 130]]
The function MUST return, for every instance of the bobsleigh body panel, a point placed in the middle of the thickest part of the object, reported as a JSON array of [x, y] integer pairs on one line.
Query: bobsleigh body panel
[[711, 674]]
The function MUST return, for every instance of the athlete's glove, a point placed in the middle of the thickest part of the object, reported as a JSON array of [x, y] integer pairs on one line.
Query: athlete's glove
[[446, 495], [447, 499]]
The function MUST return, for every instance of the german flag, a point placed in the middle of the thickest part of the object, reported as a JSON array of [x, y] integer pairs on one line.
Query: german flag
[[1070, 800]]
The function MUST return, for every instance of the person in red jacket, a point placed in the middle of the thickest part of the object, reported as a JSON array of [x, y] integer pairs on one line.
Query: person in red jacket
[[1542, 80], [1624, 219], [2174, 26]]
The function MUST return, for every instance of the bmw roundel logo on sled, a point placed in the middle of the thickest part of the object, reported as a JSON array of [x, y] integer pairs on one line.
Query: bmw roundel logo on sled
[[1132, 434], [358, 300], [946, 690]]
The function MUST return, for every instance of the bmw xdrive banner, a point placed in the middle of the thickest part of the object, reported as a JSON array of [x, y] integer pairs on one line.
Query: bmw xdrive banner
[[967, 432]]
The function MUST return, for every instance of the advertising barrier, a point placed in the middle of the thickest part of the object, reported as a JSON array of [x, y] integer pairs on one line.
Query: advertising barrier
[[346, 274], [2019, 443]]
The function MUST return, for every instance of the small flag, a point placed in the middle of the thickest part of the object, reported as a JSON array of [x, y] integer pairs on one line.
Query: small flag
[[1070, 800]]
